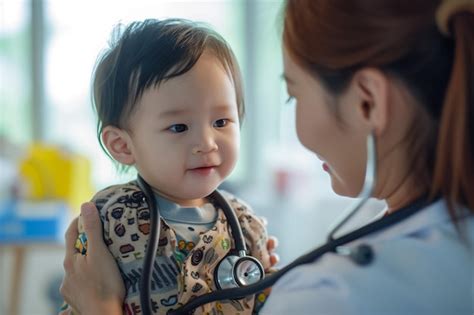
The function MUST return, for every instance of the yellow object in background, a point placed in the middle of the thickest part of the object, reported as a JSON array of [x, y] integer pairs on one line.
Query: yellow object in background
[[49, 172]]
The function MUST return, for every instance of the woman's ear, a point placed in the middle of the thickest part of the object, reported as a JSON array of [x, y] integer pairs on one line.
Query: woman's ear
[[119, 145], [373, 87]]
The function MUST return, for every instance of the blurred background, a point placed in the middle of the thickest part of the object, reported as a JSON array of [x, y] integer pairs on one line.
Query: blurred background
[[50, 160]]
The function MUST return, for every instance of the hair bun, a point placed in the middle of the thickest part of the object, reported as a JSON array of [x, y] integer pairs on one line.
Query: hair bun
[[447, 9]]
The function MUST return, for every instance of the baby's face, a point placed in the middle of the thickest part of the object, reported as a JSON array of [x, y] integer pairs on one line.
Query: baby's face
[[185, 133]]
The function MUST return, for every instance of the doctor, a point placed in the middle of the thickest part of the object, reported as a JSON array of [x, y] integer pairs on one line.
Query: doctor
[[404, 71]]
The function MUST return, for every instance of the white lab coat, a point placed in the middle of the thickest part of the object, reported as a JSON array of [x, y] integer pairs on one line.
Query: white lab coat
[[421, 266]]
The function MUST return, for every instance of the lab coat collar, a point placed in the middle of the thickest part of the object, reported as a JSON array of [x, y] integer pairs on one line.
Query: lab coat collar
[[434, 214]]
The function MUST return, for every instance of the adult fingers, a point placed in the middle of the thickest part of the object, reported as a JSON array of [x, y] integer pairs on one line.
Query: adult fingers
[[274, 259], [272, 243], [92, 226], [70, 236], [65, 292]]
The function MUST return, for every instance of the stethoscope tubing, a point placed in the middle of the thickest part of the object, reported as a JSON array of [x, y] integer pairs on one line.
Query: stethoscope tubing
[[367, 189], [232, 220], [152, 247], [270, 280], [145, 283], [330, 246]]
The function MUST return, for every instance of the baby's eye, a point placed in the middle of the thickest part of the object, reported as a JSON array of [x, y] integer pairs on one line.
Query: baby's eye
[[221, 123], [178, 128]]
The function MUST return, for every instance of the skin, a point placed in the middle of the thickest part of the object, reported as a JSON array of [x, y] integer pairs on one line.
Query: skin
[[372, 103], [94, 297], [201, 133], [199, 129], [92, 282]]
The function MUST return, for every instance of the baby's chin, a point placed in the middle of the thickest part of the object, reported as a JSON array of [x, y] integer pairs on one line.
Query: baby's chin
[[199, 192], [192, 196]]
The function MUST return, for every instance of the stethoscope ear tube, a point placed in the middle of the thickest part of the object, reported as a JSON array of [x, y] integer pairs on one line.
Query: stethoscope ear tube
[[235, 270], [152, 247], [367, 188], [239, 293], [232, 220], [362, 255]]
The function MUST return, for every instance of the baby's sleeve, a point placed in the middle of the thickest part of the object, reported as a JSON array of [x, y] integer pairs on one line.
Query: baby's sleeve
[[125, 221], [254, 231], [102, 200]]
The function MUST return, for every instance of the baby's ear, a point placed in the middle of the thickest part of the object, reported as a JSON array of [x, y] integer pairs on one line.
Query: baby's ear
[[119, 144]]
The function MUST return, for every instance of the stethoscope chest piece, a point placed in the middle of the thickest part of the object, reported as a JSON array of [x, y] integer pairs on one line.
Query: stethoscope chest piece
[[361, 255], [238, 271]]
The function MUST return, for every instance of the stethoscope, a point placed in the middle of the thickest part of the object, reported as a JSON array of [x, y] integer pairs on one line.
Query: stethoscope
[[234, 271], [242, 275]]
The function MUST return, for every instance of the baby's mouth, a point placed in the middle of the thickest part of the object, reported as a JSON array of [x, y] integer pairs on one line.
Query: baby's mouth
[[203, 170]]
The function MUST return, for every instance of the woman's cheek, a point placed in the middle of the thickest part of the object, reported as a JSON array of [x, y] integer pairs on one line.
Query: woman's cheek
[[302, 130]]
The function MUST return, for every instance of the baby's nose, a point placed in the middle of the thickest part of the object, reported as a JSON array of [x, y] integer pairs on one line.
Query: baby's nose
[[206, 145]]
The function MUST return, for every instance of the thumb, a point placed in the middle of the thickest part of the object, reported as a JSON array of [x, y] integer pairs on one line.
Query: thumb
[[92, 225]]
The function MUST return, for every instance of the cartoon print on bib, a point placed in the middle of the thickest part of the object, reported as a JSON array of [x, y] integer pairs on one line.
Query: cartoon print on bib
[[183, 269]]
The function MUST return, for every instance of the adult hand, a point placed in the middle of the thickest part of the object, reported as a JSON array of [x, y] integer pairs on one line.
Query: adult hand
[[92, 283], [272, 244]]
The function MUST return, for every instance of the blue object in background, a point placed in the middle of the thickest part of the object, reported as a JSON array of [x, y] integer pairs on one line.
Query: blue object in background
[[28, 221]]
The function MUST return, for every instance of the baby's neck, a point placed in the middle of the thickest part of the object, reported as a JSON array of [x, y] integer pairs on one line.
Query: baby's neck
[[183, 202], [191, 203]]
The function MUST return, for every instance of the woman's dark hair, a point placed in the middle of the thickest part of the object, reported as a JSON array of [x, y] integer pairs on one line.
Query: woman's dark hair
[[333, 39], [145, 54]]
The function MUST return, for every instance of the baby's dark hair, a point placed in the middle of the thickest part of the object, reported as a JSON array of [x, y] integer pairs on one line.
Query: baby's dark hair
[[145, 54]]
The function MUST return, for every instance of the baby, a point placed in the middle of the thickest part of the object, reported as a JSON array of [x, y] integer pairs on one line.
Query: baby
[[169, 101]]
